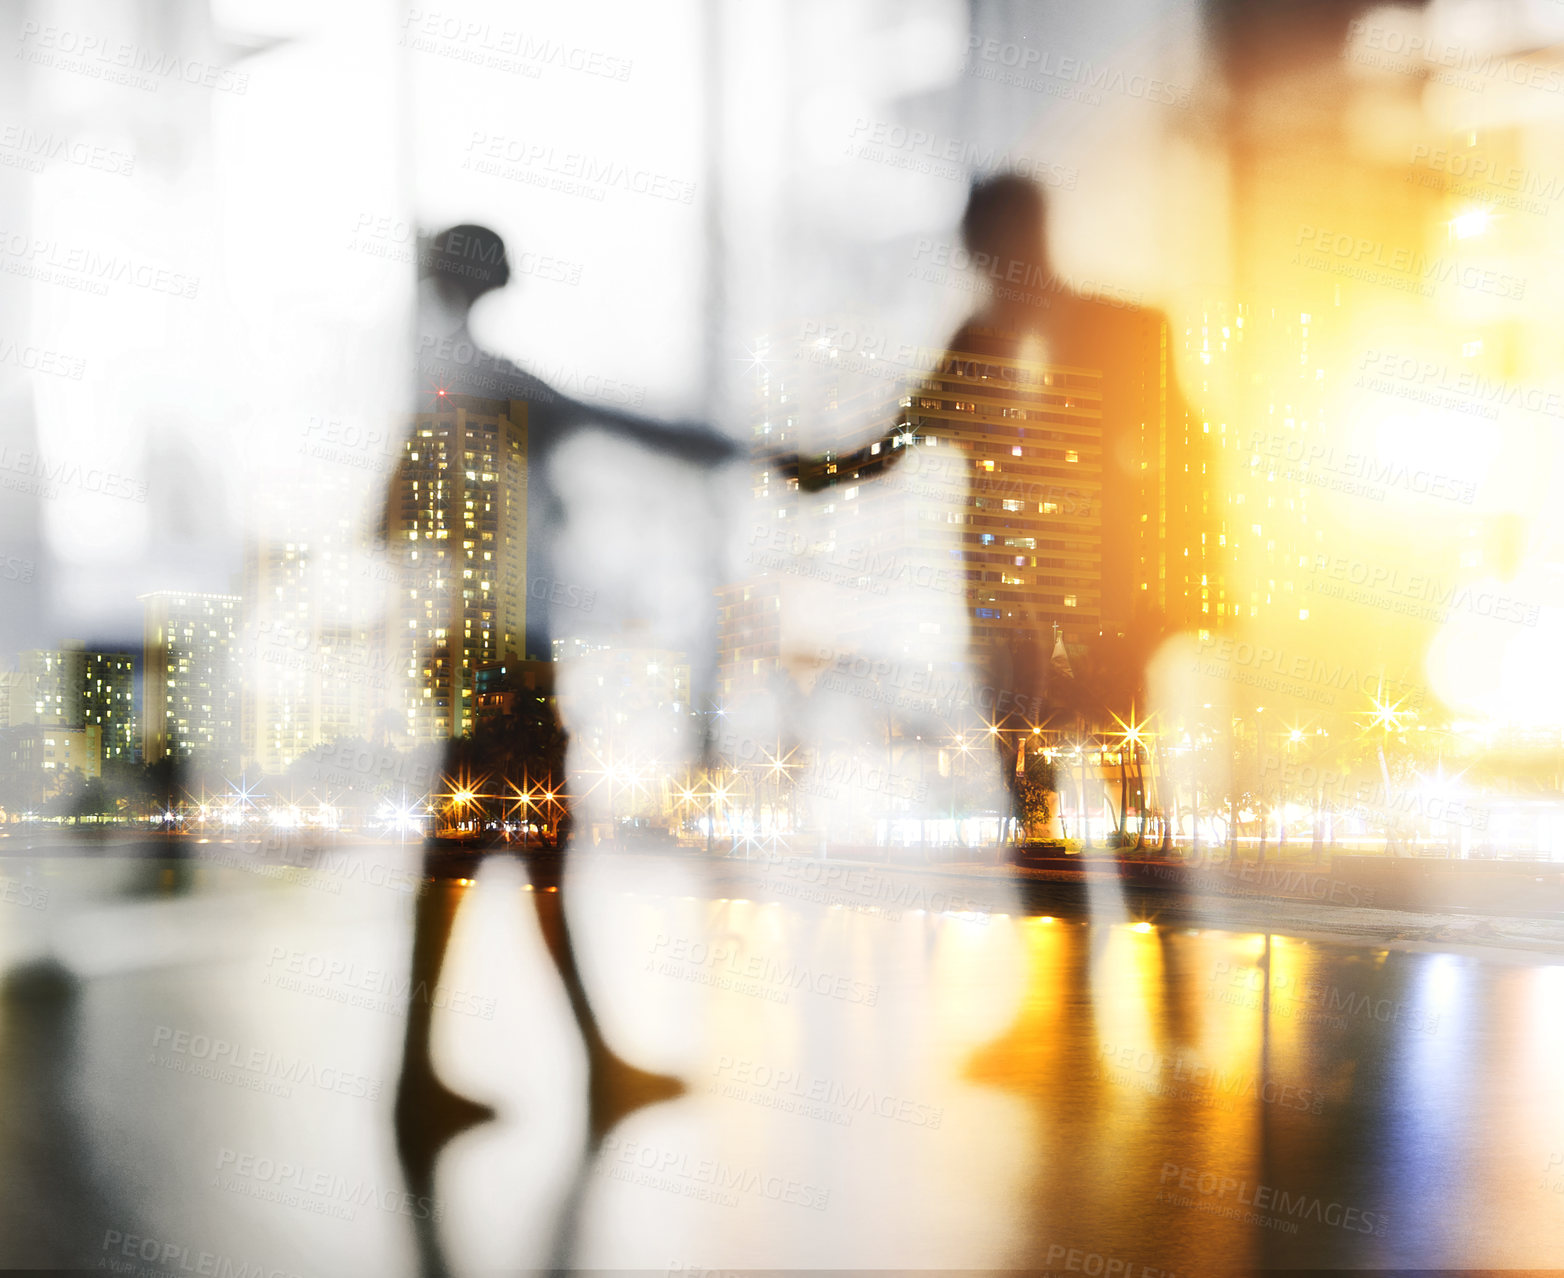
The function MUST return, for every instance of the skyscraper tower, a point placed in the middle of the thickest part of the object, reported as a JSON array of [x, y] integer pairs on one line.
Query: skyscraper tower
[[191, 679], [1027, 438], [312, 676], [39, 690], [101, 693], [75, 687], [456, 525]]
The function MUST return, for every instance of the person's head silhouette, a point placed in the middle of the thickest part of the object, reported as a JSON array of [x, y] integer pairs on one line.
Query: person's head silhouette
[[1006, 223], [465, 262]]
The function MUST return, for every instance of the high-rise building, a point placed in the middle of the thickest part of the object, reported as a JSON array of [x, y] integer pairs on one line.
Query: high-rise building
[[808, 529], [456, 525], [1179, 555], [191, 679], [749, 609], [101, 693], [37, 758], [1099, 447], [39, 689], [75, 687], [1159, 488], [1027, 439], [643, 680], [1048, 478], [749, 633], [312, 675], [1252, 520]]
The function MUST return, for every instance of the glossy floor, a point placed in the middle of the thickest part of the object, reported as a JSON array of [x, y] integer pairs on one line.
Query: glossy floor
[[206, 1064]]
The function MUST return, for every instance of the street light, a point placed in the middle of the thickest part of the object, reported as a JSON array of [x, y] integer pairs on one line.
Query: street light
[[463, 792]]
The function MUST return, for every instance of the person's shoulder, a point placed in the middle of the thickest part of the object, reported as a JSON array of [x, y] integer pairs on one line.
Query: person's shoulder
[[468, 369], [528, 386], [1109, 322], [979, 336], [1105, 306]]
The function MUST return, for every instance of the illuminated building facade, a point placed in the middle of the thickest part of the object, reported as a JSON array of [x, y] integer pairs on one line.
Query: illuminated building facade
[[1076, 491], [38, 758], [749, 610], [1027, 439], [191, 676], [102, 695], [808, 525], [1249, 526], [312, 676], [749, 632], [38, 690], [636, 683], [503, 688], [76, 687], [1161, 550], [456, 523]]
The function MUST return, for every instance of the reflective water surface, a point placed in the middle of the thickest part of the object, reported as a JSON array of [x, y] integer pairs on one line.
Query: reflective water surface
[[199, 1059]]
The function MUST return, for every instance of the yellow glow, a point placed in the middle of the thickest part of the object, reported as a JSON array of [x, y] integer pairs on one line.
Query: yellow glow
[[1473, 222]]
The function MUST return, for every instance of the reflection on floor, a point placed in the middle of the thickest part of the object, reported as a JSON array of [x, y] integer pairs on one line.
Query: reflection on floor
[[199, 1059]]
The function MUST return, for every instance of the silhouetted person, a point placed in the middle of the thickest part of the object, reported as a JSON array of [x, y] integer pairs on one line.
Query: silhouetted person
[[1033, 319], [460, 266]]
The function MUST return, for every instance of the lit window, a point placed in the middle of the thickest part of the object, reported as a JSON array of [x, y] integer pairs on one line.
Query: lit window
[[1069, 601], [1070, 455]]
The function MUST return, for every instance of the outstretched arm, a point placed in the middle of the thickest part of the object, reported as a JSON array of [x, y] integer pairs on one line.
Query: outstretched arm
[[687, 441], [705, 445]]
